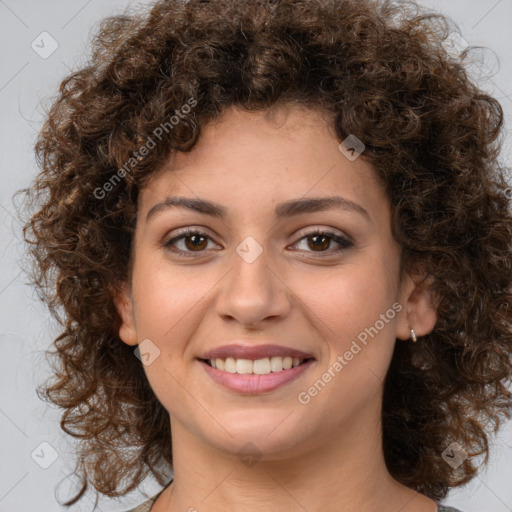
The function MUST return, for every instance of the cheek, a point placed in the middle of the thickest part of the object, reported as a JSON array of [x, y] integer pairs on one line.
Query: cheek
[[352, 297], [165, 299], [352, 307], [169, 307]]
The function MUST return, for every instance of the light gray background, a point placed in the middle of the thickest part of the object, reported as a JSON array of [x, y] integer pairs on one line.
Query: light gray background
[[26, 81]]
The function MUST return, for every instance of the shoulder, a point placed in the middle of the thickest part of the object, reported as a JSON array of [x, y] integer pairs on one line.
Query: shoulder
[[144, 507]]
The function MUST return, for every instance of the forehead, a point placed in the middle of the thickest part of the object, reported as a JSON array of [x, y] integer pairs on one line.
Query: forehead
[[252, 159]]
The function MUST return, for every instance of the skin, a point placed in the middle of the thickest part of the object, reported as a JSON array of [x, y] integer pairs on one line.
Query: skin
[[325, 455]]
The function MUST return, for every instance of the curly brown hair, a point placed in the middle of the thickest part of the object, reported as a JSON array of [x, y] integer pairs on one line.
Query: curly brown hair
[[432, 135]]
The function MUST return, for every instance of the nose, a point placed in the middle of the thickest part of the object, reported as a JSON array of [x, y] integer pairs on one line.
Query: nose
[[253, 293]]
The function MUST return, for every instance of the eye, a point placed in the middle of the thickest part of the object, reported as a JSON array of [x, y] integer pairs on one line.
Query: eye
[[191, 241], [188, 241], [320, 241]]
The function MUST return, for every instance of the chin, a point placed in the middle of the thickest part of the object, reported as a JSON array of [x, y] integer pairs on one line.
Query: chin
[[273, 437]]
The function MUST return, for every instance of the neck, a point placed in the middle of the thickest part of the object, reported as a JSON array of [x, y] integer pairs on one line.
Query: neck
[[346, 473]]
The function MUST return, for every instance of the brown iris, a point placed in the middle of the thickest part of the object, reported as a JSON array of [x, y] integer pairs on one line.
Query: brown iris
[[198, 242], [322, 239]]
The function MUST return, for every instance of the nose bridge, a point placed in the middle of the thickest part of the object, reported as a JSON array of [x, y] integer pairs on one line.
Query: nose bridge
[[252, 291]]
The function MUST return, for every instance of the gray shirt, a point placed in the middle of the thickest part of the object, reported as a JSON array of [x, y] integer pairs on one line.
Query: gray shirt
[[146, 506]]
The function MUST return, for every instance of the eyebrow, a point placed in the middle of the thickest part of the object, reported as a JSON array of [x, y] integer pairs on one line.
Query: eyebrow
[[283, 210]]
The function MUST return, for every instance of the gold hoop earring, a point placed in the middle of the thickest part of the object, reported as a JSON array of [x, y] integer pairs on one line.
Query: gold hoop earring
[[413, 336]]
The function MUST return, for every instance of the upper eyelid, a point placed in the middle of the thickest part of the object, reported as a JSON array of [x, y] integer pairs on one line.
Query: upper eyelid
[[300, 232], [327, 230]]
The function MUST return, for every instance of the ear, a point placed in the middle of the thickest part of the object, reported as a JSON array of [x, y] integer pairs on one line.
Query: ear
[[418, 312], [124, 306]]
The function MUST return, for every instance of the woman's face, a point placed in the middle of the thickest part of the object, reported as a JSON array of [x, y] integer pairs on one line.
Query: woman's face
[[259, 275]]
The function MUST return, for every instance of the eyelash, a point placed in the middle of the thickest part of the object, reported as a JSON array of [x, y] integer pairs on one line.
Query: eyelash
[[345, 243]]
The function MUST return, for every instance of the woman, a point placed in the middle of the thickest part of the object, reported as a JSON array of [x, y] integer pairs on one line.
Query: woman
[[280, 232]]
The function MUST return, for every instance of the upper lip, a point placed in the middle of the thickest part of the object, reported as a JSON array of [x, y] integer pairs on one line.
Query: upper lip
[[254, 352]]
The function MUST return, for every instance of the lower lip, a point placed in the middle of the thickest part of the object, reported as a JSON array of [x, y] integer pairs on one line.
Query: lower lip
[[251, 384]]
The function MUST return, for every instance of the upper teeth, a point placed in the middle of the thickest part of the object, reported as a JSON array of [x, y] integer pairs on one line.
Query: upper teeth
[[259, 366]]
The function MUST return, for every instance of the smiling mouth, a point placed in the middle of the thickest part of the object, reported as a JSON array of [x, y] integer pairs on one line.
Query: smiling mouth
[[263, 366]]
